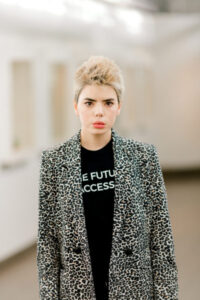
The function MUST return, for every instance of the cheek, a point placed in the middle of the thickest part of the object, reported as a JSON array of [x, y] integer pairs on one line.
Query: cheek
[[113, 112], [84, 114]]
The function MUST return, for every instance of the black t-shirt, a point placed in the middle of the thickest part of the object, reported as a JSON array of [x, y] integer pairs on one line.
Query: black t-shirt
[[98, 199]]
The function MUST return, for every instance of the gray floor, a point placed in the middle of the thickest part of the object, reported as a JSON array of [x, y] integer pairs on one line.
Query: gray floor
[[18, 277]]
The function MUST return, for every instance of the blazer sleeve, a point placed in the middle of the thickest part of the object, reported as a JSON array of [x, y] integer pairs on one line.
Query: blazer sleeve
[[47, 242], [165, 272]]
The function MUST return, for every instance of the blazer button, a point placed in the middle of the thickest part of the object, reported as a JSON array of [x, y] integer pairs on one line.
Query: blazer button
[[77, 250], [128, 251]]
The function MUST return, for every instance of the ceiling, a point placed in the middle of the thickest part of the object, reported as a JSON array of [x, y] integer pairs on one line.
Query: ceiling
[[159, 6], [130, 21]]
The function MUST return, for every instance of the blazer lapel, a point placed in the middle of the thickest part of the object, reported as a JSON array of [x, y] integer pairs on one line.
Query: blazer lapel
[[72, 188]]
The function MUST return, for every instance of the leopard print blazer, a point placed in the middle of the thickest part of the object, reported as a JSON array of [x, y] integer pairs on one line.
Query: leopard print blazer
[[142, 263]]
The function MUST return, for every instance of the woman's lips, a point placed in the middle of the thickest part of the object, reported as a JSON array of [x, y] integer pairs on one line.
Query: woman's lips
[[98, 124]]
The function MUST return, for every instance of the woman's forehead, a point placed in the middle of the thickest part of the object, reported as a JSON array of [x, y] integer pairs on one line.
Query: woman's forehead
[[98, 92]]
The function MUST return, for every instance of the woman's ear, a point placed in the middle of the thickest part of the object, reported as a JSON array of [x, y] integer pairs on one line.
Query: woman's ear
[[75, 107], [119, 108]]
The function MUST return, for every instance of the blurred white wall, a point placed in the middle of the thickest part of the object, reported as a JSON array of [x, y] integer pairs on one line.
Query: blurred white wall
[[18, 208]]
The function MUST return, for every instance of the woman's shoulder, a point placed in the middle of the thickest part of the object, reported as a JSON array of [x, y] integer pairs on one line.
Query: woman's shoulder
[[54, 152], [138, 145], [143, 153]]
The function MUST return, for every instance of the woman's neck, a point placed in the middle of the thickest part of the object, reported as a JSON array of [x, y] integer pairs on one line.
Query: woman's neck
[[94, 141]]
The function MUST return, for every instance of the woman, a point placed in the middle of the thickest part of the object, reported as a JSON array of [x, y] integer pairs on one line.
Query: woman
[[104, 227]]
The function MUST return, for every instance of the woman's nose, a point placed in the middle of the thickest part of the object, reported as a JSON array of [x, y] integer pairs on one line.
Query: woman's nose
[[99, 109]]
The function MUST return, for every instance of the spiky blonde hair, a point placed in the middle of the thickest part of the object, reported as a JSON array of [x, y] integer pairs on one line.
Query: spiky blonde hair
[[99, 70]]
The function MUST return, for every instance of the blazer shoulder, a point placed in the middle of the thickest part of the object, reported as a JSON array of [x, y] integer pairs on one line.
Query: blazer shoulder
[[145, 154], [53, 152], [138, 145]]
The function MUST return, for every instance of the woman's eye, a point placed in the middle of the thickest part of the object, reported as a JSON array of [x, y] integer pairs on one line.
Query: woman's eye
[[88, 103], [109, 103]]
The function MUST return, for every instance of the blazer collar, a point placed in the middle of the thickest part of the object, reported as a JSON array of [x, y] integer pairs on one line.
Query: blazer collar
[[73, 149]]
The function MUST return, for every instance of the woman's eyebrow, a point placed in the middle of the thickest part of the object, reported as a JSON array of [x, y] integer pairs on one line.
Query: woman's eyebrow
[[96, 100]]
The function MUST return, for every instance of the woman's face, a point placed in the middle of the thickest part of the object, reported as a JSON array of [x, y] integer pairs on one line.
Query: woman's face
[[97, 103]]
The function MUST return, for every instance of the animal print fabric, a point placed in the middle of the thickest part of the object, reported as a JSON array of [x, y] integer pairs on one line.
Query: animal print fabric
[[142, 263]]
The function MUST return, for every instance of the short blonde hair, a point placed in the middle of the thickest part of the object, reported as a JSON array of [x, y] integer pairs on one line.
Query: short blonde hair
[[99, 70]]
